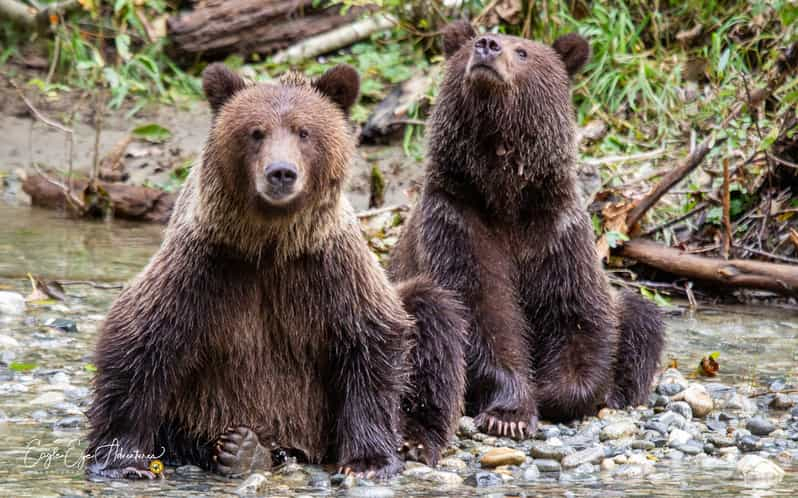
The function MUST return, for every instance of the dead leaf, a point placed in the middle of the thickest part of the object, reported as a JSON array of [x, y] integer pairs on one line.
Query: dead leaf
[[709, 365], [688, 36], [614, 216], [673, 363], [44, 290], [794, 237]]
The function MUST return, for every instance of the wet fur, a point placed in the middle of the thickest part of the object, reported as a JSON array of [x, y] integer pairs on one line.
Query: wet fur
[[281, 321], [500, 222]]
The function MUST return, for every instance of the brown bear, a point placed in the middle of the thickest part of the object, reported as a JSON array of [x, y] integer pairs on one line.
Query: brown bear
[[500, 221], [264, 321]]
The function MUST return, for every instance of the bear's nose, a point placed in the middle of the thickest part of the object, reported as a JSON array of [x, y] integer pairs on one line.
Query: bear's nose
[[487, 47], [281, 174]]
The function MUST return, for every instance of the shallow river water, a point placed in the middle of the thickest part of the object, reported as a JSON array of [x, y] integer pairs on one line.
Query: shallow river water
[[45, 374]]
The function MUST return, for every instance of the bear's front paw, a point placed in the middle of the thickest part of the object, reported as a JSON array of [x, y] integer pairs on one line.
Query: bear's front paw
[[507, 423], [238, 452], [379, 468]]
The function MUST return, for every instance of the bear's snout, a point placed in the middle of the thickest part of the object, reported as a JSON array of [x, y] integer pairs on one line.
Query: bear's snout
[[487, 48], [281, 175]]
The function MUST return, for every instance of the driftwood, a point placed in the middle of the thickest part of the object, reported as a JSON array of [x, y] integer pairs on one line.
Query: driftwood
[[128, 202], [779, 278], [218, 28], [340, 37], [389, 117]]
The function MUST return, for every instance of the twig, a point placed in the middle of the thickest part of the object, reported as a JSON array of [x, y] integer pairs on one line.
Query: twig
[[90, 283], [700, 207], [766, 254], [727, 235], [98, 120], [478, 20], [607, 160], [44, 119], [369, 213], [781, 161], [669, 180]]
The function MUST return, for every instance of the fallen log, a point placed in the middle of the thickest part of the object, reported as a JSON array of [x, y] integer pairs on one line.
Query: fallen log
[[31, 18], [779, 278], [218, 28], [128, 202]]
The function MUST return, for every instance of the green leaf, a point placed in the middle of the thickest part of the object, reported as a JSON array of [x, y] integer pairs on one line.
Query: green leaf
[[613, 238], [123, 46], [89, 367], [152, 132], [21, 367], [714, 355]]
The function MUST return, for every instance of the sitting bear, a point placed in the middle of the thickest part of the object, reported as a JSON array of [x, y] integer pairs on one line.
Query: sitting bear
[[264, 321], [500, 221]]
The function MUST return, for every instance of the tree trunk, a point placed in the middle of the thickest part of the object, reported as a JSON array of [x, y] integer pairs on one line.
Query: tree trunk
[[219, 28]]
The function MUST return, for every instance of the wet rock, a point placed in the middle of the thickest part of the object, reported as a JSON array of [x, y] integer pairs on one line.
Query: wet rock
[[781, 402], [413, 469], [549, 431], [657, 427], [345, 481], [593, 454], [550, 452], [531, 474], [48, 398], [370, 492], [62, 324], [607, 464], [484, 479], [756, 468], [720, 441], [188, 470], [8, 342], [545, 465], [254, 484], [749, 443], [640, 444], [669, 379], [659, 400], [699, 400], [585, 468], [618, 430], [741, 403], [678, 437], [442, 477], [466, 427], [73, 422], [502, 456], [59, 379], [452, 463], [681, 408], [11, 303], [671, 419], [319, 480], [632, 471], [691, 448], [760, 426]]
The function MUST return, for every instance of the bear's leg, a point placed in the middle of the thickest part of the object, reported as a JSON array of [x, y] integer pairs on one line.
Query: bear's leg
[[462, 254], [642, 339], [239, 452], [434, 402], [574, 325]]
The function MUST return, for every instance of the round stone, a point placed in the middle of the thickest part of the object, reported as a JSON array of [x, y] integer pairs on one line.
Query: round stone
[[760, 426], [502, 456]]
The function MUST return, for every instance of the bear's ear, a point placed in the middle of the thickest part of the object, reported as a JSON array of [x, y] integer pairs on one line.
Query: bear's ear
[[340, 84], [574, 50], [455, 35], [219, 84]]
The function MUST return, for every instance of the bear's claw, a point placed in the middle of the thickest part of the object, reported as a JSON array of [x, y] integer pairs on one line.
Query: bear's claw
[[507, 424]]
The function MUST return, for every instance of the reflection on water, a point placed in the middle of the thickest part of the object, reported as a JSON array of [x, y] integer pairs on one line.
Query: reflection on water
[[43, 397]]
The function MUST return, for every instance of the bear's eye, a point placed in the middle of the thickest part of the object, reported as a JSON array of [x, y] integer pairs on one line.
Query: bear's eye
[[303, 133], [521, 53], [257, 134]]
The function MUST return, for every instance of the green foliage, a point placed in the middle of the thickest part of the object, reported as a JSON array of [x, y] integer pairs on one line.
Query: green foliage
[[21, 367], [656, 297], [152, 132]]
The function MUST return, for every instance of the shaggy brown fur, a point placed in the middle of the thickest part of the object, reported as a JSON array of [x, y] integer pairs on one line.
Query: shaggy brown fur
[[500, 221], [264, 320]]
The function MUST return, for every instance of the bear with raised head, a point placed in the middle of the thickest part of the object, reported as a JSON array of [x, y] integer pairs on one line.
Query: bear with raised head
[[500, 221], [264, 321]]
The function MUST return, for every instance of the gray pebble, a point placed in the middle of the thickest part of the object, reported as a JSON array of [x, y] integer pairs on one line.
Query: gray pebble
[[549, 452], [370, 492], [484, 479], [593, 454], [640, 444], [531, 473], [72, 422], [319, 480], [545, 465], [669, 389], [781, 402], [749, 443], [760, 426], [682, 408], [62, 324], [466, 427]]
